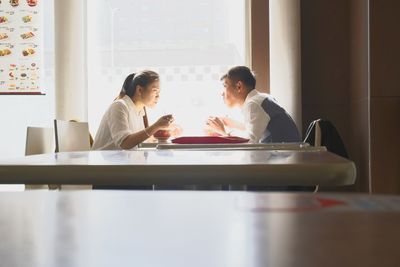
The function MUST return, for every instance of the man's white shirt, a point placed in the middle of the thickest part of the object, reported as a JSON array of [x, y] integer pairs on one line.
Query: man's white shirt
[[255, 118]]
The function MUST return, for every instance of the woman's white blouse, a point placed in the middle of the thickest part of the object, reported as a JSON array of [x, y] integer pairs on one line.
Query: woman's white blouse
[[120, 120]]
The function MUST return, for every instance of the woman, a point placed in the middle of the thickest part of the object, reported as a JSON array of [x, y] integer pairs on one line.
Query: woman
[[122, 125]]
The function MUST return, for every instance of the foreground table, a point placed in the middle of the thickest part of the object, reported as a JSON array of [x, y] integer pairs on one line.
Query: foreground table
[[181, 167], [173, 229]]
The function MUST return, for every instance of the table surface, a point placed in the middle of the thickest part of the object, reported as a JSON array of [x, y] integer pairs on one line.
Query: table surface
[[181, 167], [126, 228], [240, 146]]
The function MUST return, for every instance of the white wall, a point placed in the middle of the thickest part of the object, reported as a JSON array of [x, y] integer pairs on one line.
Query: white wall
[[19, 111], [285, 60]]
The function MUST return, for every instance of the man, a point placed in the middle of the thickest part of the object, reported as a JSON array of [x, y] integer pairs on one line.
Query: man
[[264, 120]]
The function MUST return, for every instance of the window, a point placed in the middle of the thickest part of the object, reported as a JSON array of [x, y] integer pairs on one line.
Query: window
[[189, 43]]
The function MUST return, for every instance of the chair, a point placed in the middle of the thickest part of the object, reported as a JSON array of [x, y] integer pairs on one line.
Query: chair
[[323, 133], [72, 136], [39, 140]]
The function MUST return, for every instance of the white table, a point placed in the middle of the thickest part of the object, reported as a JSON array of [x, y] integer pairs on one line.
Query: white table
[[197, 229], [182, 167], [239, 146]]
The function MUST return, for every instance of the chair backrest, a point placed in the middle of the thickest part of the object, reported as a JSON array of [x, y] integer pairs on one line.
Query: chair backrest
[[39, 140], [323, 133], [71, 136]]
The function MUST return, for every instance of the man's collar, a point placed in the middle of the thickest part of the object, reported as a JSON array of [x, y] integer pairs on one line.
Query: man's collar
[[250, 95]]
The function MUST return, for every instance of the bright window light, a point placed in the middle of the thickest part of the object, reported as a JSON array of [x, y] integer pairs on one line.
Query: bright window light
[[189, 43]]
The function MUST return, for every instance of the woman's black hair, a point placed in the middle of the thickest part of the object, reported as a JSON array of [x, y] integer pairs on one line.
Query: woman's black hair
[[143, 78]]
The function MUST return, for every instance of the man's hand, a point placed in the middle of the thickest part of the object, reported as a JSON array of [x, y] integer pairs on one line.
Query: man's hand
[[176, 130], [231, 123], [215, 126]]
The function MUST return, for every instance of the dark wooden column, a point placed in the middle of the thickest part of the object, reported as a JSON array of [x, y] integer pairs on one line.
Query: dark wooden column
[[260, 42]]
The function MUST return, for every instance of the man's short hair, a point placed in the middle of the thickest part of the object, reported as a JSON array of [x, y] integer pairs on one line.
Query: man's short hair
[[243, 74]]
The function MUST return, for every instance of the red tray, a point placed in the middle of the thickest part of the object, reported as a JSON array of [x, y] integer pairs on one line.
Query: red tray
[[209, 140]]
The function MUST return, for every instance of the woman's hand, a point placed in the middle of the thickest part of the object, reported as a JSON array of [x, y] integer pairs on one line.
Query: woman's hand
[[164, 122], [138, 137]]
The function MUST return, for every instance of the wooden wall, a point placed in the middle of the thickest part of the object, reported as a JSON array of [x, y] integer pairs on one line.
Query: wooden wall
[[325, 57], [385, 95], [359, 144], [260, 43], [351, 76]]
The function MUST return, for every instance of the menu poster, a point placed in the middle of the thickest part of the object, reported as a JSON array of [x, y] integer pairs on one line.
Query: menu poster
[[21, 44]]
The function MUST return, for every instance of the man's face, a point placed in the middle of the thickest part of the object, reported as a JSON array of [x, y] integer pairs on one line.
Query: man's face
[[230, 92]]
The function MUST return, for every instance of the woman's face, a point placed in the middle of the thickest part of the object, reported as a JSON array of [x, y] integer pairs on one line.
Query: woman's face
[[150, 94]]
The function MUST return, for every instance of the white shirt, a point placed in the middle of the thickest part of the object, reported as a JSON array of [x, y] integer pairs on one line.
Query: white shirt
[[255, 117], [120, 120]]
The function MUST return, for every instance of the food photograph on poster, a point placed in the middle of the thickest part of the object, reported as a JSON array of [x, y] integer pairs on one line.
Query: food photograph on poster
[[21, 45]]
